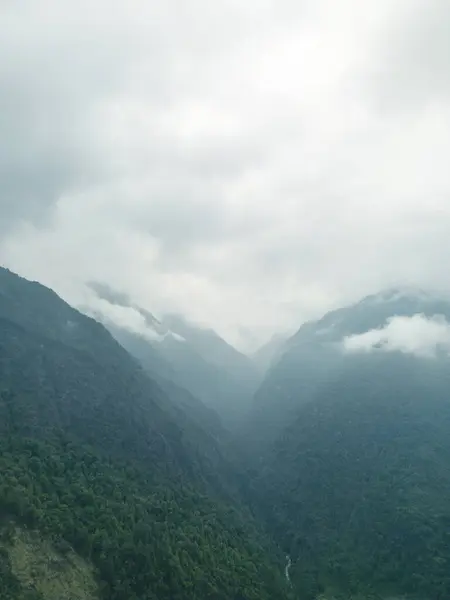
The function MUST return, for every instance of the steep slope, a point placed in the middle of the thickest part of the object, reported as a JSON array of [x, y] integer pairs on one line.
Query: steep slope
[[33, 567], [270, 353], [360, 482], [94, 455], [313, 355], [356, 486], [226, 393], [214, 349], [45, 342], [165, 375], [192, 357]]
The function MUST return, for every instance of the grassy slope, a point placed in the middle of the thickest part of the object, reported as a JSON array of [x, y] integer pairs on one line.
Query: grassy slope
[[37, 569]]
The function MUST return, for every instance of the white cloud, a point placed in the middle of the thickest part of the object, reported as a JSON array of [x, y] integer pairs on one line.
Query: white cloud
[[125, 317], [177, 337], [418, 335]]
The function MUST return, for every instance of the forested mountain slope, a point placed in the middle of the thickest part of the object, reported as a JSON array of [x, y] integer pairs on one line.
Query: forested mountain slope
[[195, 358], [213, 348], [313, 355], [269, 353], [121, 486], [96, 456], [356, 486], [161, 371]]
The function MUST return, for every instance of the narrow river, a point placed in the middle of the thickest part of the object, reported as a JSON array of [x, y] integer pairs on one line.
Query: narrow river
[[287, 568]]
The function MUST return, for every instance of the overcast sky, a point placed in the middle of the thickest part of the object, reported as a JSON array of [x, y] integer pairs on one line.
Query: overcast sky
[[250, 164]]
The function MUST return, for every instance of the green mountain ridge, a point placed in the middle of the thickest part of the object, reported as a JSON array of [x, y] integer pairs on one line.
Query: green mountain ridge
[[119, 483], [195, 358], [95, 456], [350, 461], [313, 354]]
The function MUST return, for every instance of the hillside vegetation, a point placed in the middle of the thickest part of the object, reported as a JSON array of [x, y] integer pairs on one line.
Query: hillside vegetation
[[356, 488], [96, 459], [117, 485]]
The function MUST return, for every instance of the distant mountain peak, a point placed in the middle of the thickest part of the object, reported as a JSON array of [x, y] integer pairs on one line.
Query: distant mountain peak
[[406, 292], [192, 356]]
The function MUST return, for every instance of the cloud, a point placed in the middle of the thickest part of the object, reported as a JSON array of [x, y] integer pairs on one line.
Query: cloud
[[115, 308], [413, 69], [124, 317], [418, 335], [105, 292], [249, 165], [177, 337]]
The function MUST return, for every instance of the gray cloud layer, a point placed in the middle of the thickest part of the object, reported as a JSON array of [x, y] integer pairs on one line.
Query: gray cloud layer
[[244, 163]]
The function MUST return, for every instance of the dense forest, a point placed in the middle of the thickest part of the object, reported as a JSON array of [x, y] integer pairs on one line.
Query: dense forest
[[357, 489], [146, 538], [357, 486]]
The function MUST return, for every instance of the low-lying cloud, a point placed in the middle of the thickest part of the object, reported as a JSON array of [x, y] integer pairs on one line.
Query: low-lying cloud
[[123, 317], [115, 309], [419, 335]]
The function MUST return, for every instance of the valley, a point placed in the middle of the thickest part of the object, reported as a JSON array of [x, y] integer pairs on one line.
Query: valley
[[123, 479]]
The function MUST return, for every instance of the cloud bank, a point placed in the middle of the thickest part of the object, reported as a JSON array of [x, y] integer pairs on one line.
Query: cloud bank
[[419, 335]]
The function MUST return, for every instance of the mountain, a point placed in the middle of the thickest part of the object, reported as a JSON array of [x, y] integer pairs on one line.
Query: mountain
[[351, 470], [41, 335], [194, 358], [110, 488], [314, 354], [163, 372], [119, 483], [270, 352], [210, 346]]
